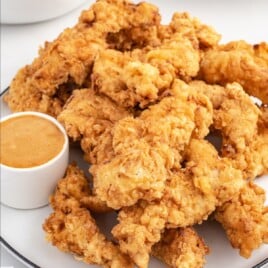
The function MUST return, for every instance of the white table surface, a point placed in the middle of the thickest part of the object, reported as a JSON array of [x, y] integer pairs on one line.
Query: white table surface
[[237, 19]]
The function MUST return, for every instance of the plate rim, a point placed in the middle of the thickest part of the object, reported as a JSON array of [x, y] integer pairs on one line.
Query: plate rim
[[17, 254], [4, 91], [26, 261]]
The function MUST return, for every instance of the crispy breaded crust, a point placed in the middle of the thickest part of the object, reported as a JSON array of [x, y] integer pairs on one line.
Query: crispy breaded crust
[[181, 248]]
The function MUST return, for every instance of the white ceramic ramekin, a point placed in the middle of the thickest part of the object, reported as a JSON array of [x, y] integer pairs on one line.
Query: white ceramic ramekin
[[27, 11], [27, 188]]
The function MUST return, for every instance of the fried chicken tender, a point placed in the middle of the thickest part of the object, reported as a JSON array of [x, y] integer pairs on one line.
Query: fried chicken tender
[[238, 62], [76, 232], [178, 55], [89, 118], [201, 35], [245, 219], [66, 63], [142, 78], [190, 196], [71, 228], [74, 189], [180, 248], [117, 26], [145, 152], [237, 118], [126, 81]]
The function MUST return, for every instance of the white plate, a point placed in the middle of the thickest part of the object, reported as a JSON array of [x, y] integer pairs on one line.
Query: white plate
[[22, 234], [21, 230]]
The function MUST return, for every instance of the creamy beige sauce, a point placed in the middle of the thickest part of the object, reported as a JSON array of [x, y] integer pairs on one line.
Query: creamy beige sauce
[[29, 141]]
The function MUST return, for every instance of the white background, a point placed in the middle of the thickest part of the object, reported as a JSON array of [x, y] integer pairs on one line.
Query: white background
[[243, 19]]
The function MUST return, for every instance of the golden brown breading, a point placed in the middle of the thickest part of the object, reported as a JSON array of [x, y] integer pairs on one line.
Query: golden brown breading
[[89, 117], [237, 118], [235, 114], [145, 152], [238, 62], [261, 53], [201, 35], [245, 219], [66, 63], [259, 147], [181, 248], [114, 75], [176, 56], [203, 113], [74, 191], [255, 158], [264, 116], [190, 196], [76, 232], [141, 78], [71, 228]]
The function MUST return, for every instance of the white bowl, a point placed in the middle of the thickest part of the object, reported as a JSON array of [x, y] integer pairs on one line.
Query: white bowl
[[27, 188], [27, 11]]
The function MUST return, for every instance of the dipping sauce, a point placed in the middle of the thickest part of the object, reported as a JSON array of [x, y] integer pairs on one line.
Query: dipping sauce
[[29, 141]]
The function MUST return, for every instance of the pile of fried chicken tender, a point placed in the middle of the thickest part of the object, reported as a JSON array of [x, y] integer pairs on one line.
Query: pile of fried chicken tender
[[142, 99]]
